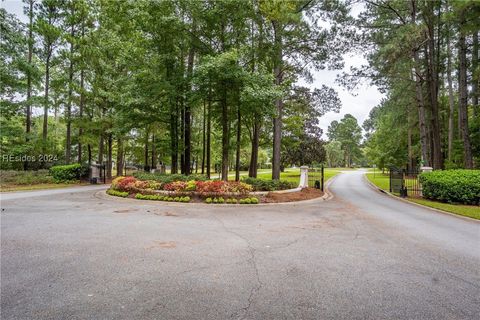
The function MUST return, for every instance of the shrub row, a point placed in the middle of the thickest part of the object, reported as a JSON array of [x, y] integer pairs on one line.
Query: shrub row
[[68, 172], [161, 198], [268, 185], [460, 186], [167, 178], [220, 200], [117, 193]]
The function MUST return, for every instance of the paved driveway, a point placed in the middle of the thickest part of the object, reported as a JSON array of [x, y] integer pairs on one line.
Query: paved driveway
[[361, 255]]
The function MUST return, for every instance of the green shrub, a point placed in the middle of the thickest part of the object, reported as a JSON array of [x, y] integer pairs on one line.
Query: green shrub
[[117, 193], [67, 172], [167, 178], [268, 185], [186, 199], [208, 200], [454, 186], [221, 200], [155, 197], [215, 200], [254, 200]]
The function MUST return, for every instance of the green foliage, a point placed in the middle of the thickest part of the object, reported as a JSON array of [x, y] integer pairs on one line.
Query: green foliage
[[268, 185], [116, 193], [208, 200], [168, 178], [68, 172], [455, 186], [14, 177]]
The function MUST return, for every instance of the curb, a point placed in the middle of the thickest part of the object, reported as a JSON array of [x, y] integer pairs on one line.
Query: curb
[[374, 187]]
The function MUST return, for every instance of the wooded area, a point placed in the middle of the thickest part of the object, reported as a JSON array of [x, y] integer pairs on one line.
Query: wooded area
[[197, 85], [425, 56], [213, 85]]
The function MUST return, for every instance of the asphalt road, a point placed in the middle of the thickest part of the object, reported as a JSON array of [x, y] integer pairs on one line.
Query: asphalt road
[[360, 255]]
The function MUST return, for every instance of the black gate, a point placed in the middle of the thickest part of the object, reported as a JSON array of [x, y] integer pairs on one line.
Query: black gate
[[405, 182], [316, 178]]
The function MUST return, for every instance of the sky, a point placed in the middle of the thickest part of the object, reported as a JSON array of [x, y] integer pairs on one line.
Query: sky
[[358, 105]]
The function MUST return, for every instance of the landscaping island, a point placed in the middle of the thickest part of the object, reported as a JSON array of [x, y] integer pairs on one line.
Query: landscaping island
[[197, 188]]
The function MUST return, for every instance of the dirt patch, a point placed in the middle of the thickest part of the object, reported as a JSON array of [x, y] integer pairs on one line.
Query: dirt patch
[[305, 194]]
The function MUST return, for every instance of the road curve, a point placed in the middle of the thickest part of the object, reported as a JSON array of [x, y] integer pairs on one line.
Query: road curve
[[360, 255], [444, 230]]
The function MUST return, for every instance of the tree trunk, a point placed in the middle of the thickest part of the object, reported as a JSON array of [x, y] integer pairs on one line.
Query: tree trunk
[[182, 136], [239, 132], [173, 140], [225, 132], [68, 115], [109, 158], [119, 156], [451, 102], [277, 120], [209, 131], [82, 103], [100, 149], [46, 102], [432, 77], [475, 75], [28, 107], [419, 95], [463, 95], [146, 168], [253, 168], [203, 137], [188, 116], [154, 153]]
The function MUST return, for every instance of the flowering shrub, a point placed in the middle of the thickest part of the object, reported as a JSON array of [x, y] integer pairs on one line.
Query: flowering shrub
[[176, 186], [124, 184], [191, 185], [211, 186], [237, 187]]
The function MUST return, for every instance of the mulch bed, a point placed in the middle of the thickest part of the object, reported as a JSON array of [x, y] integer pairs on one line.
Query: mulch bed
[[305, 194]]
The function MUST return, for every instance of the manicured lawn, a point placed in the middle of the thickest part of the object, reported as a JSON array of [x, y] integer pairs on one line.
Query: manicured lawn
[[293, 175], [382, 181]]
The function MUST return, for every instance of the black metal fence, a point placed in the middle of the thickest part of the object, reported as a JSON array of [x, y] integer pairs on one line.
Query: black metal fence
[[316, 177], [405, 182]]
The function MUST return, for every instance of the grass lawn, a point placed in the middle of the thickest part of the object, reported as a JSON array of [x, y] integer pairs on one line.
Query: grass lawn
[[293, 174], [460, 209], [382, 181], [10, 187]]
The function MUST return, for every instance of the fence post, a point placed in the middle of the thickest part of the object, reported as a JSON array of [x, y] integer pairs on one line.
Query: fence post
[[322, 176], [390, 184]]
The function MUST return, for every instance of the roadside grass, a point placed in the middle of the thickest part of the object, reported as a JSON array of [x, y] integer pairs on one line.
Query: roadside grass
[[460, 209], [382, 181], [40, 186]]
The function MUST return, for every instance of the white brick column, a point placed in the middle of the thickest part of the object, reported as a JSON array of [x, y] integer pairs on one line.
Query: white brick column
[[303, 177]]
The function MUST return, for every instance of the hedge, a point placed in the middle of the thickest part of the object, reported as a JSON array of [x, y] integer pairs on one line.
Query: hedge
[[268, 185], [167, 178], [454, 186], [68, 172]]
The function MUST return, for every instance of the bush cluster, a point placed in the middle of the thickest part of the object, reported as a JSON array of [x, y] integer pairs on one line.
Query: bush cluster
[[158, 197], [220, 200], [69, 172], [268, 185], [117, 193], [454, 186]]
